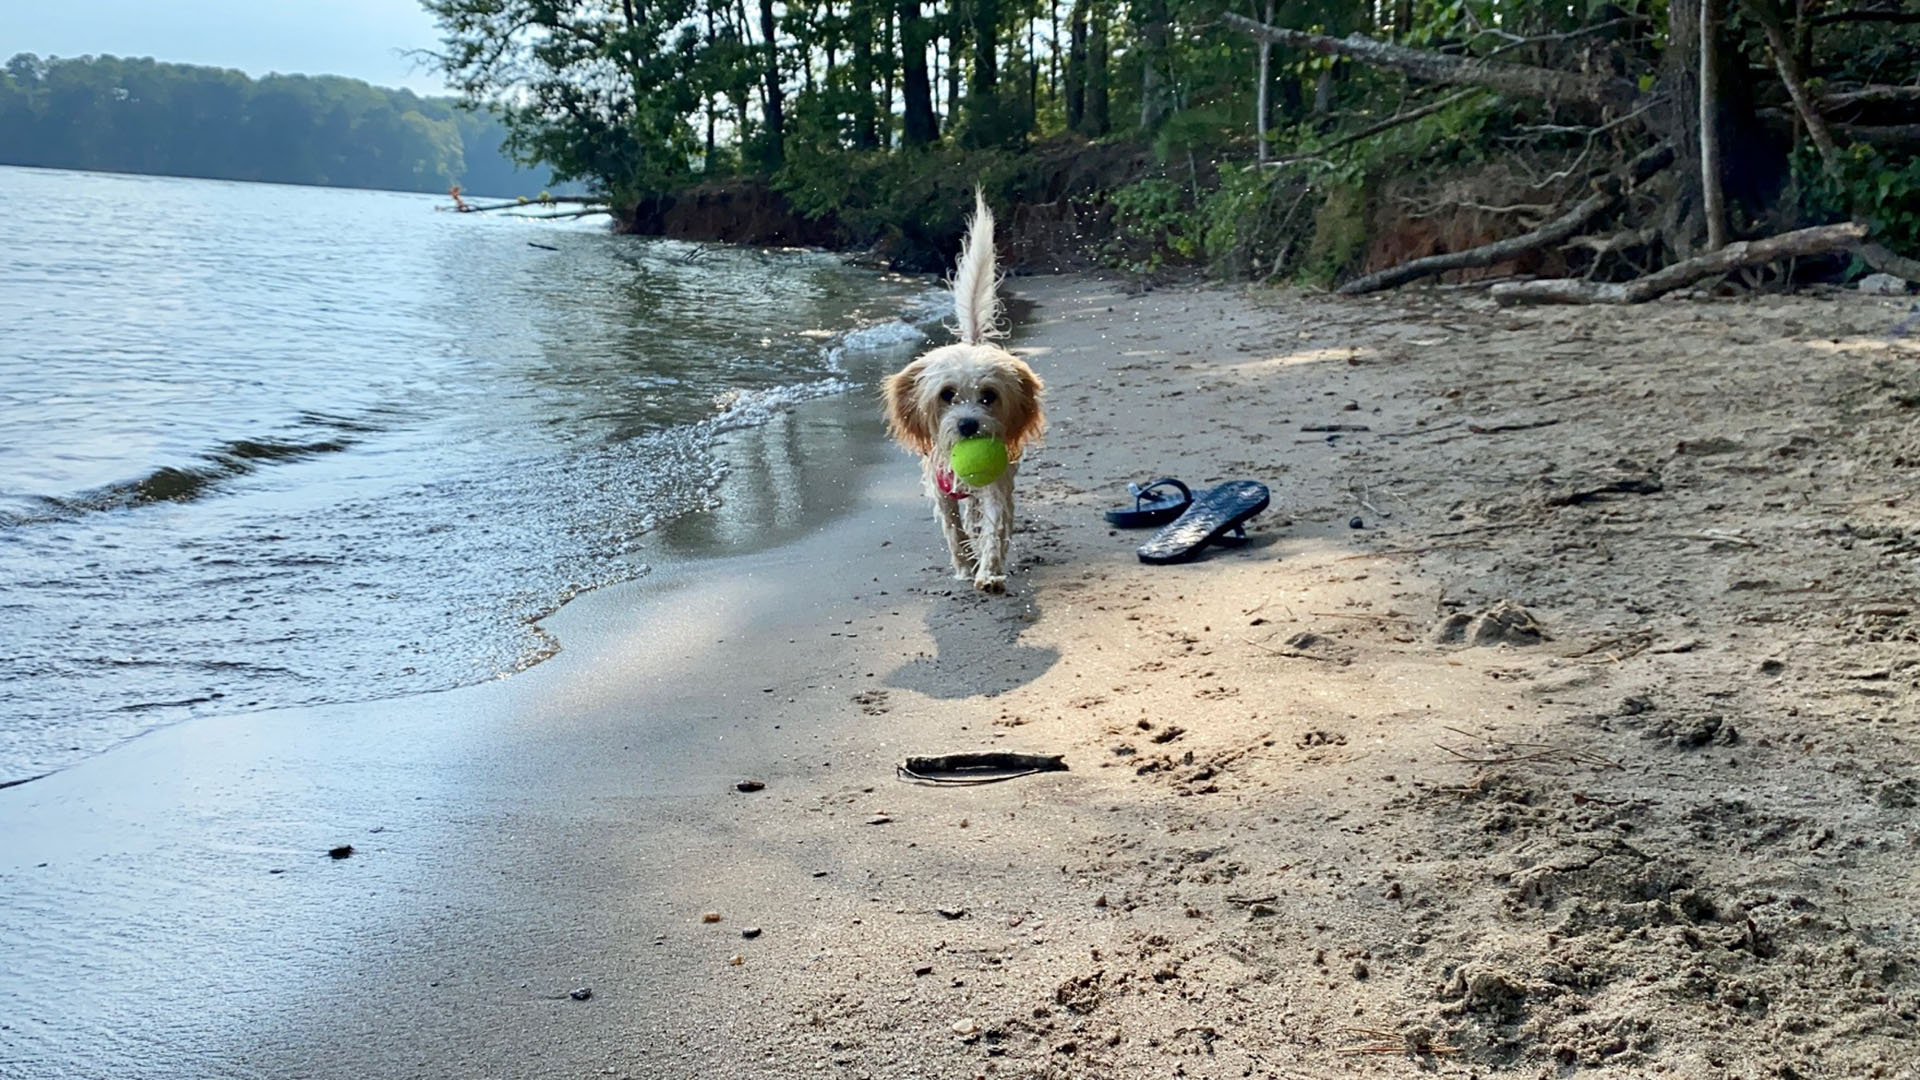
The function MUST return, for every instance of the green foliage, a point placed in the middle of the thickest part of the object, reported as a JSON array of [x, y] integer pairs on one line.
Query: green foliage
[[1877, 188], [602, 93], [1339, 233], [137, 115], [1154, 225]]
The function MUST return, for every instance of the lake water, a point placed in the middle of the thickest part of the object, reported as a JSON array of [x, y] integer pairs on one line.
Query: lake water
[[266, 446]]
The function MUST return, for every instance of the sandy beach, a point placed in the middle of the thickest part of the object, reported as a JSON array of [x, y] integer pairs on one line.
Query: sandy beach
[[1560, 716]]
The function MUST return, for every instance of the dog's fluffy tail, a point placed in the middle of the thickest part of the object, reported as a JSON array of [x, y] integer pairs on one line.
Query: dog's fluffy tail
[[975, 284]]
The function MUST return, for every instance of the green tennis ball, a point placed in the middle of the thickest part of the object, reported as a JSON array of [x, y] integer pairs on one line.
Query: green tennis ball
[[979, 461]]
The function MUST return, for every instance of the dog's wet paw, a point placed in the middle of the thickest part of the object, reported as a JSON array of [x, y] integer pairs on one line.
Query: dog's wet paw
[[990, 583]]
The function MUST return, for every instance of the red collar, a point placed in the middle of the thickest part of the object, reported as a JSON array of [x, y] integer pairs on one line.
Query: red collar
[[949, 484]]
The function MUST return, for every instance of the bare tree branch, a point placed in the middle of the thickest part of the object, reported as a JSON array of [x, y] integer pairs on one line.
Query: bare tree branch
[[1518, 80]]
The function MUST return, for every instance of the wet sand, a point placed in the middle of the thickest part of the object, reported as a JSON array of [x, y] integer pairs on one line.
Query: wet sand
[[1332, 808]]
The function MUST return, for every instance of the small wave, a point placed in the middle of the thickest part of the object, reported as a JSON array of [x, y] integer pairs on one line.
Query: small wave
[[751, 408], [883, 337], [171, 483]]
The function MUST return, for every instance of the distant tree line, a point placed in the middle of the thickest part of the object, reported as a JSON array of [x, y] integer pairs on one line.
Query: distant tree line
[[142, 116]]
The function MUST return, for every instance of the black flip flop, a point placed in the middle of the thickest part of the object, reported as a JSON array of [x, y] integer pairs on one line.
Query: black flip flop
[[1149, 509], [1214, 514]]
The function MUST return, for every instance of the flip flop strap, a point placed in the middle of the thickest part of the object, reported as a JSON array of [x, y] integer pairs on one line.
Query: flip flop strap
[[1139, 492]]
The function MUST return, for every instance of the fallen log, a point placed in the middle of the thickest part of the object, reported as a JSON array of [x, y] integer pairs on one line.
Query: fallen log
[[1870, 95], [524, 203], [1553, 232], [1881, 134], [1820, 240], [1885, 260], [1519, 80]]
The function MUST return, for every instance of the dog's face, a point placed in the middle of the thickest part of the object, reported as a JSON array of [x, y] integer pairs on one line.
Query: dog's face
[[960, 391]]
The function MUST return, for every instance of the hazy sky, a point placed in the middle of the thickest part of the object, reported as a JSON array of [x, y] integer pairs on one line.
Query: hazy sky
[[365, 39]]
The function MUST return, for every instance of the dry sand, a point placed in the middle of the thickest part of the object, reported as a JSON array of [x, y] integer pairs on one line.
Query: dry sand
[[1593, 749]]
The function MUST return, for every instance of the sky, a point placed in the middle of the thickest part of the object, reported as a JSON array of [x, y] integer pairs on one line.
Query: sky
[[364, 39]]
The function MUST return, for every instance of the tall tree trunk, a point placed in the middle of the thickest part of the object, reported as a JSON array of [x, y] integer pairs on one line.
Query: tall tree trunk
[[706, 160], [919, 126], [1077, 67], [956, 39], [1053, 49], [986, 47], [1402, 19], [775, 114], [1713, 200], [1260, 111], [889, 67], [1033, 72], [866, 119], [1685, 216], [1154, 30], [1099, 117]]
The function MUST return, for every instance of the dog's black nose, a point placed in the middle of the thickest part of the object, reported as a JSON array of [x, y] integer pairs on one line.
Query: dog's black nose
[[969, 428]]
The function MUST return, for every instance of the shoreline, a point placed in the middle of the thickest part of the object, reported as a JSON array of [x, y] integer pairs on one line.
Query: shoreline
[[1296, 827]]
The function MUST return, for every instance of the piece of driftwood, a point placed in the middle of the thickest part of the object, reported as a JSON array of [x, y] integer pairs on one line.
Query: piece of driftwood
[[1553, 232], [989, 767], [1819, 240]]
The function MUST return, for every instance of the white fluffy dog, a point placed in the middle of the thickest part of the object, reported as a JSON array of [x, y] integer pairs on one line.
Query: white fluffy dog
[[965, 390]]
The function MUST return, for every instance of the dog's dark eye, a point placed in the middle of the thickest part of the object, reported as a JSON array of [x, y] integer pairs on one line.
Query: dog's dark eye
[[946, 395], [988, 397]]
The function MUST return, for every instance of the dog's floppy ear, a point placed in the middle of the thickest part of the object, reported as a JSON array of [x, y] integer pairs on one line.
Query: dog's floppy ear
[[1026, 422], [905, 421]]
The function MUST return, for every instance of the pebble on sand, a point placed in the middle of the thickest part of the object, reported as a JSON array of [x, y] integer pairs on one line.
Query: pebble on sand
[[966, 1026], [750, 785], [341, 852], [709, 916], [580, 993], [749, 932]]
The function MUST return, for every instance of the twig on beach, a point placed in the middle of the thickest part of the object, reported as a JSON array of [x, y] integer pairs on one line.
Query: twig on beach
[[1293, 653], [1387, 1042], [1392, 552], [1410, 432], [990, 767], [1472, 529], [1391, 616], [1505, 753], [1716, 536], [1502, 429], [1249, 901], [1636, 641]]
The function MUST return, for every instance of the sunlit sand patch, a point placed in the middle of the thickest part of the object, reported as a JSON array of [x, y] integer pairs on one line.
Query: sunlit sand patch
[[1865, 344], [1339, 353]]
